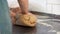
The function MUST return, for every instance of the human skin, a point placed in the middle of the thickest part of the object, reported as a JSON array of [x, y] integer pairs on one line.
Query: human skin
[[22, 9], [24, 6]]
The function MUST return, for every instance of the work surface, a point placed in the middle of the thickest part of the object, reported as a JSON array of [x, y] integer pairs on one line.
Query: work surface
[[45, 25]]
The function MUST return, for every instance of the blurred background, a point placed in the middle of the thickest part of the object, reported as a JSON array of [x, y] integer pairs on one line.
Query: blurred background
[[45, 6], [47, 12]]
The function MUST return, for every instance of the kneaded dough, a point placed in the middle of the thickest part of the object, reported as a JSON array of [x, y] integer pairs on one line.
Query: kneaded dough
[[26, 20]]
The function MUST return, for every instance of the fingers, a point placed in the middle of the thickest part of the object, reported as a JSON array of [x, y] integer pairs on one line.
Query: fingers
[[12, 14]]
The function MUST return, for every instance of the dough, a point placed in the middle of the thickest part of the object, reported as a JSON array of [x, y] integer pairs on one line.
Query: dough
[[26, 20]]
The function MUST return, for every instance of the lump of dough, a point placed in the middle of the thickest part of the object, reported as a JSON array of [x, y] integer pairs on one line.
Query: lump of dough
[[26, 20]]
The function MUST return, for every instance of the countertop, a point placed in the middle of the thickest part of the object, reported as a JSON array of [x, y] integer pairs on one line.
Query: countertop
[[45, 25]]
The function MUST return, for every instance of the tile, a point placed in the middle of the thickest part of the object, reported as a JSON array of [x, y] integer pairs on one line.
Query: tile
[[49, 8], [53, 1], [13, 3], [37, 5], [56, 9]]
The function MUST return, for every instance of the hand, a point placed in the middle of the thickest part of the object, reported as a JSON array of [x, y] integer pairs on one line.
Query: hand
[[13, 15]]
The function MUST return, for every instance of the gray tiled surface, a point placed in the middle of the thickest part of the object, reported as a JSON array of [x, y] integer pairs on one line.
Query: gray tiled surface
[[45, 25]]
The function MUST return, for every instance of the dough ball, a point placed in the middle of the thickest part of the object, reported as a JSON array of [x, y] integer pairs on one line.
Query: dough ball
[[27, 19]]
